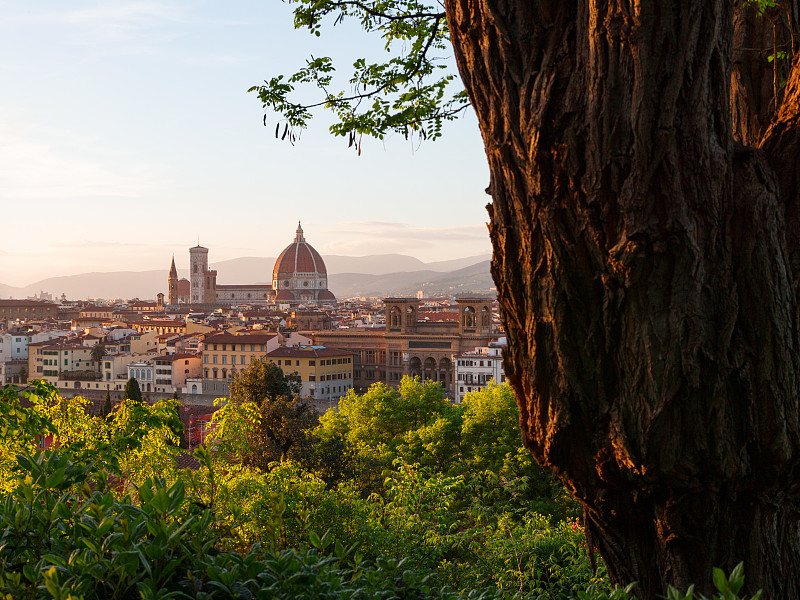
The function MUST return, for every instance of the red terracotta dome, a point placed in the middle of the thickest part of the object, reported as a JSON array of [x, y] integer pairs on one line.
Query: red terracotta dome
[[284, 295], [299, 257], [326, 295]]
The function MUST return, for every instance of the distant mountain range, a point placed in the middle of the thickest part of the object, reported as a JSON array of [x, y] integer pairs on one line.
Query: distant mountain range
[[374, 275]]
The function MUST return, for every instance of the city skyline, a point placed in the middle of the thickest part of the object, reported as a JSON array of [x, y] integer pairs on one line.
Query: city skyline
[[126, 131]]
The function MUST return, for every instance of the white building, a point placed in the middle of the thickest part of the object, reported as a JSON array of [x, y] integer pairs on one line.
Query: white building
[[13, 346], [474, 370], [194, 385], [144, 373]]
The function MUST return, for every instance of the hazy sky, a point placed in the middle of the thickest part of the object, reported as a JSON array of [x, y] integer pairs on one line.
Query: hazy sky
[[126, 131]]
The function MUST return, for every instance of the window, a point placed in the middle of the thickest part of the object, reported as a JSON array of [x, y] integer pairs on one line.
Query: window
[[312, 363], [242, 359], [252, 347], [297, 363], [312, 377], [205, 359], [214, 359], [279, 362], [224, 359]]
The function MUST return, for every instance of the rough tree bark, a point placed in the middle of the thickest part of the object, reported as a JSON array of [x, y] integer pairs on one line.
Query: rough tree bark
[[645, 275]]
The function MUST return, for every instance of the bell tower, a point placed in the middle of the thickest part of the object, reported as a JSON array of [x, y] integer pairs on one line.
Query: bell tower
[[198, 263], [474, 316], [401, 314], [172, 287]]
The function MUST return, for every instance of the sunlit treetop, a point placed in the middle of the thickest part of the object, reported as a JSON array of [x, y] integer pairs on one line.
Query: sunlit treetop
[[412, 93]]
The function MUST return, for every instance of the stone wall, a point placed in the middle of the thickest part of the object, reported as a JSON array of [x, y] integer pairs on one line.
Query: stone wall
[[98, 397]]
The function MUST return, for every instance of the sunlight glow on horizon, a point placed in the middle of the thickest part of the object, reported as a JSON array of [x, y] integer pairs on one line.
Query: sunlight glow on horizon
[[126, 129]]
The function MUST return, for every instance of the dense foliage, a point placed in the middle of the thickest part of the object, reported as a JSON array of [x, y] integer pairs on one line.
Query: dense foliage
[[398, 495]]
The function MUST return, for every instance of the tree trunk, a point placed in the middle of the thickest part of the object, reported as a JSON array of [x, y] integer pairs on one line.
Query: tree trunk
[[646, 279]]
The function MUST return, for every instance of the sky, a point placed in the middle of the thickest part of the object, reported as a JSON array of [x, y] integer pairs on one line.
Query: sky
[[127, 134]]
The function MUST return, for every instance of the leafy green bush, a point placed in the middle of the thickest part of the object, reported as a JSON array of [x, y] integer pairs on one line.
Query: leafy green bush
[[104, 513]]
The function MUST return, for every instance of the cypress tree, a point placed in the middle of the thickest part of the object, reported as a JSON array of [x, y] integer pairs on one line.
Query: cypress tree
[[107, 407], [132, 391]]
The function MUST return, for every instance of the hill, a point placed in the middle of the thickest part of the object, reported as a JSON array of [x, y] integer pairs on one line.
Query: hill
[[374, 275]]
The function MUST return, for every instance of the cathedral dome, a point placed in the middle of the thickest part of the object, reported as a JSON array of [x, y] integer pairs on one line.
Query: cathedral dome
[[299, 257]]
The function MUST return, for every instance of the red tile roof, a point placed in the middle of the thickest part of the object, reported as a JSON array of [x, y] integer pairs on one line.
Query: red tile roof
[[229, 338], [299, 257]]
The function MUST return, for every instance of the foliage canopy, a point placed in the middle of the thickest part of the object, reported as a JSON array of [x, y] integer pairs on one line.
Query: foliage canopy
[[412, 92]]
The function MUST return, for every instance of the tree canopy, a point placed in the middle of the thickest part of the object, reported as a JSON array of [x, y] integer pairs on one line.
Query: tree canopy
[[132, 390], [413, 92]]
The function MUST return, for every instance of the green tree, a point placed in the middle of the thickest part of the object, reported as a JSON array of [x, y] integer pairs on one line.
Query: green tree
[[97, 354], [646, 236], [260, 381], [108, 407], [132, 390], [378, 420], [282, 417], [490, 427]]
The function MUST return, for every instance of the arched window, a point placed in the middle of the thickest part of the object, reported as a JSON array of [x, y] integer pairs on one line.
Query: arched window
[[394, 320], [486, 317], [469, 317]]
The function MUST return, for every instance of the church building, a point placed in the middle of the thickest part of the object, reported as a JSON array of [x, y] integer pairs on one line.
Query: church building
[[299, 277]]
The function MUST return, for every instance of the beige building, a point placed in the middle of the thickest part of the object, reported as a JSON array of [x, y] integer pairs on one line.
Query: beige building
[[27, 310], [325, 373], [161, 326], [172, 370], [103, 313], [225, 353], [46, 360]]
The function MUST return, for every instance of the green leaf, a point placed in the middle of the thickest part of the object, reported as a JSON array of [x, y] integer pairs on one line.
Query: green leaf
[[720, 581], [314, 539]]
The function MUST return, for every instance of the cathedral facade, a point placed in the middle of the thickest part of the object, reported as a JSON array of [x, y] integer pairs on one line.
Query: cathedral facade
[[299, 277]]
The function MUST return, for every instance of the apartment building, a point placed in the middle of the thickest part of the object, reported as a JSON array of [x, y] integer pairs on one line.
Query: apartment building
[[224, 353], [474, 370], [325, 373]]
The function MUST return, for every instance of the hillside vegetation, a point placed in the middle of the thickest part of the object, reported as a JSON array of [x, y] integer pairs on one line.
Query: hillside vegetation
[[400, 494]]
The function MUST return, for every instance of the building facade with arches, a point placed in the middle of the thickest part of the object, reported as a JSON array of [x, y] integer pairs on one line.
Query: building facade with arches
[[413, 343]]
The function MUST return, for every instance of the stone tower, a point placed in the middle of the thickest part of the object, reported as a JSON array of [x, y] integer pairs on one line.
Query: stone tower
[[203, 281], [173, 284], [401, 314], [474, 316]]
